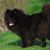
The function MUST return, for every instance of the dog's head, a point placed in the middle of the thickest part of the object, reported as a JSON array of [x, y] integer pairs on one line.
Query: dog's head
[[9, 17]]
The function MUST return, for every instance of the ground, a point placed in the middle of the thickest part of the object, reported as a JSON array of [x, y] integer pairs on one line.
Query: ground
[[10, 41]]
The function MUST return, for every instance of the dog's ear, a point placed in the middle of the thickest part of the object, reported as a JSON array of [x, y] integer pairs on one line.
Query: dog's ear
[[15, 11], [8, 11]]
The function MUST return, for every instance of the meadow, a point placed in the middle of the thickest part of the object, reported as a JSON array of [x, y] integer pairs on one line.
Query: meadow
[[10, 41]]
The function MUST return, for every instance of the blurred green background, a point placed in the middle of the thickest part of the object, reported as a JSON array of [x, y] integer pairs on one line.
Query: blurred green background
[[9, 40]]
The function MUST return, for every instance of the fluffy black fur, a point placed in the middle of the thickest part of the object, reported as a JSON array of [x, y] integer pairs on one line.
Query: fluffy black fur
[[41, 27], [44, 26], [46, 12]]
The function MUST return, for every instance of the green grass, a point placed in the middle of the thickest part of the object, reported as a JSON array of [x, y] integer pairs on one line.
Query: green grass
[[10, 41], [35, 6]]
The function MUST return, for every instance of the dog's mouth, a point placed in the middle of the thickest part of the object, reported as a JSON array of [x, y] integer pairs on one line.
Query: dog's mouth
[[11, 24]]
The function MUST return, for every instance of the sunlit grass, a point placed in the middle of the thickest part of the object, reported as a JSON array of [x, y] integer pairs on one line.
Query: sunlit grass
[[10, 41]]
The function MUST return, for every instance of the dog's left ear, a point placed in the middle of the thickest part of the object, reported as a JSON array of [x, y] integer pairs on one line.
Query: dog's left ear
[[15, 10]]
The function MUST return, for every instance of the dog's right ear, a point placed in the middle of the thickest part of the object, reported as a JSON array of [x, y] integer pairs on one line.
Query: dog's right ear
[[8, 11]]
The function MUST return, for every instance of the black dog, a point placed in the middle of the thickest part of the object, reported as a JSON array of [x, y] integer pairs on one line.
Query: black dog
[[24, 25]]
